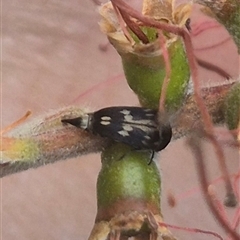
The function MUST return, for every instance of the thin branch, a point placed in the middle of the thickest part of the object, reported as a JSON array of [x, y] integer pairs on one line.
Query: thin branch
[[184, 122], [193, 230], [168, 71], [196, 147], [214, 68]]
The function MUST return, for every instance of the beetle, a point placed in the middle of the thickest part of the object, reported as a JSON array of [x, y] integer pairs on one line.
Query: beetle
[[137, 127]]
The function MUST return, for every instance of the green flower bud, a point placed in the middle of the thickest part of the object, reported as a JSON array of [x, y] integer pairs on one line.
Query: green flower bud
[[144, 69], [127, 182], [232, 107]]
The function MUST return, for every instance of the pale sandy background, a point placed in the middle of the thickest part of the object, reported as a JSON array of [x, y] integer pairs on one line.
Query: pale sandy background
[[50, 57]]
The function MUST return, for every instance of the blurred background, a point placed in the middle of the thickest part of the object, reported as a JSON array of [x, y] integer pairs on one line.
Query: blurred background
[[53, 56]]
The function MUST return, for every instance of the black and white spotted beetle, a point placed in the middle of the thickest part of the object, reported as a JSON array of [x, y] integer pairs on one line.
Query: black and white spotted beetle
[[134, 126]]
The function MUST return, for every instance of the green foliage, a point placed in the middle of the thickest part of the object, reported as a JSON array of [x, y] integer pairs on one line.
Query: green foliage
[[145, 74], [232, 107], [126, 174]]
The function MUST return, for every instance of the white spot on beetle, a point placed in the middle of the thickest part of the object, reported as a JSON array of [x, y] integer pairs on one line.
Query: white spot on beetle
[[105, 118], [149, 114], [105, 123], [125, 112], [123, 133], [128, 128], [144, 143], [128, 118]]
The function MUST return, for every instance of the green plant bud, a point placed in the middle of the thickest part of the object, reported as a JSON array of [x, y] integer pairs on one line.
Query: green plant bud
[[127, 182], [142, 56], [232, 107], [232, 23], [144, 69]]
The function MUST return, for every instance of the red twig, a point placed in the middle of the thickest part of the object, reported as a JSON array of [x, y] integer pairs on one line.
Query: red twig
[[194, 230], [195, 145], [168, 71]]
